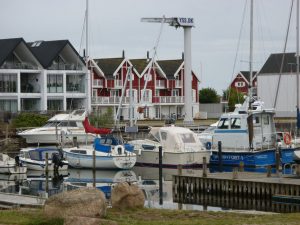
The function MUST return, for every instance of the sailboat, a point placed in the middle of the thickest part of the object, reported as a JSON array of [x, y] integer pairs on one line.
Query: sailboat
[[248, 134]]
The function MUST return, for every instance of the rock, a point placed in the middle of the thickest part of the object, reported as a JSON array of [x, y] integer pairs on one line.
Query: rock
[[83, 202], [125, 195]]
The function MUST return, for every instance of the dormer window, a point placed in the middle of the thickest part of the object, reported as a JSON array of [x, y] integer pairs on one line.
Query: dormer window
[[36, 43]]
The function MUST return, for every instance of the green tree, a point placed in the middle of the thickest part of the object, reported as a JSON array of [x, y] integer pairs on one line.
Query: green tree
[[208, 95], [105, 119], [233, 97], [29, 120]]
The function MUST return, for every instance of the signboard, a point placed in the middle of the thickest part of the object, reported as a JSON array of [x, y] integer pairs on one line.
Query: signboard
[[185, 22]]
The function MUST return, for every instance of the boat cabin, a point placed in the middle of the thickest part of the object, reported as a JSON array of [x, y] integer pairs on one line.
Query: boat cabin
[[246, 129]]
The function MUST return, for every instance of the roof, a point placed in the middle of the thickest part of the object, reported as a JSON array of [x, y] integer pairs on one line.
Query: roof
[[140, 64], [109, 65], [273, 63], [47, 51], [246, 74], [170, 67], [7, 46]]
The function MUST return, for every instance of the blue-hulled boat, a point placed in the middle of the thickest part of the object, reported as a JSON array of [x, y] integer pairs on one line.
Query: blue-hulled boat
[[249, 136]]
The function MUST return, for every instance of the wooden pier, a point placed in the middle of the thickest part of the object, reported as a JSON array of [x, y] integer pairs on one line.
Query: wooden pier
[[239, 190]]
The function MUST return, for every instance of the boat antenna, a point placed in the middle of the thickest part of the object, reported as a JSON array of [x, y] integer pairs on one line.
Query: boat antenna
[[251, 55]]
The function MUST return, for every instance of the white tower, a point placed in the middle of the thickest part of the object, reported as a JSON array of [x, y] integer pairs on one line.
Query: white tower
[[186, 24]]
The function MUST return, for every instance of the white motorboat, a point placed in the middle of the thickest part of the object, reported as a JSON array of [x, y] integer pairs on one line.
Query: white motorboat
[[60, 128], [180, 146], [35, 159], [9, 165], [110, 153]]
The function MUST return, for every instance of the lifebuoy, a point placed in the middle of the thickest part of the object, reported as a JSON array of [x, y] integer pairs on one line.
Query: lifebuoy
[[208, 145], [287, 138]]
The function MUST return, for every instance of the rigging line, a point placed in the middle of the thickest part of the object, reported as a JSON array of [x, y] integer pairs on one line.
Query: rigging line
[[284, 51], [78, 57], [238, 47], [151, 64]]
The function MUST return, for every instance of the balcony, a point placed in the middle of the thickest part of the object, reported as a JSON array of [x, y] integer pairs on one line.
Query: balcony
[[160, 84], [168, 99], [23, 65], [111, 100], [97, 83]]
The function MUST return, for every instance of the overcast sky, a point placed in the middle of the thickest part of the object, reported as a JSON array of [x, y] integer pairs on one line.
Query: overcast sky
[[115, 25]]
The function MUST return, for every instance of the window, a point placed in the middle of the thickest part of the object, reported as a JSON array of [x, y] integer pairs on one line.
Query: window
[[157, 112], [256, 120], [9, 105], [235, 123], [164, 135], [223, 123], [149, 76], [75, 83], [187, 138], [175, 92], [54, 83], [55, 104], [266, 119], [8, 83], [240, 84], [114, 93]]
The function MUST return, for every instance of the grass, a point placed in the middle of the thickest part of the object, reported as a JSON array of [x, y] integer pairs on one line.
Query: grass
[[156, 216]]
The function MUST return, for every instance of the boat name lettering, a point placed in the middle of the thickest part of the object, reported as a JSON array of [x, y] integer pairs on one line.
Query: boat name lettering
[[186, 21]]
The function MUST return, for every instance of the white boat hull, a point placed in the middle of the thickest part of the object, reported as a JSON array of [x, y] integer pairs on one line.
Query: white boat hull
[[41, 165], [103, 160], [12, 169], [171, 159]]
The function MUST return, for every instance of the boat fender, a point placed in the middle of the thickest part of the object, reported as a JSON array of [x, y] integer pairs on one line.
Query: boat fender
[[208, 145], [120, 149], [287, 138], [139, 151]]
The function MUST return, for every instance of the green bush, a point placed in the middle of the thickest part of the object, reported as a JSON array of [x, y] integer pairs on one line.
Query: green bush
[[29, 120], [103, 120]]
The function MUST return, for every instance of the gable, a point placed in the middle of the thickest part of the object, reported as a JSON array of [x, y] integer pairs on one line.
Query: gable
[[7, 46], [109, 65]]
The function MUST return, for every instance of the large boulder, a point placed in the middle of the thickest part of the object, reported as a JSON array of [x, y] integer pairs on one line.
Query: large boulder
[[83, 202], [125, 195]]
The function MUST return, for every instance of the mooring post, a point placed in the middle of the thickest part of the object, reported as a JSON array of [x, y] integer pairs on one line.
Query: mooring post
[[47, 171], [269, 170], [298, 169], [94, 168], [160, 176], [6, 135], [204, 167], [277, 158], [235, 173], [220, 156], [241, 167]]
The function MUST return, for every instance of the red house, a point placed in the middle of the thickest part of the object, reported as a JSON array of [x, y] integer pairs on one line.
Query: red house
[[242, 80]]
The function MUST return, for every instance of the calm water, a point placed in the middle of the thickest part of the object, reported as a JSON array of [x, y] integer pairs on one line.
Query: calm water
[[34, 183]]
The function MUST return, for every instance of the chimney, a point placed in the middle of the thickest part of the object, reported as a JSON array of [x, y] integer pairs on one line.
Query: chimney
[[182, 56], [147, 54], [84, 53], [123, 54]]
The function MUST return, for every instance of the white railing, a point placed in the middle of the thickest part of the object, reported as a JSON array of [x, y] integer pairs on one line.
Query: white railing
[[111, 100], [172, 99], [178, 84], [97, 83], [160, 84]]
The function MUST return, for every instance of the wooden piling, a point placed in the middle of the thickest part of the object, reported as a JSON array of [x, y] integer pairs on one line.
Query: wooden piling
[[47, 171], [94, 169], [204, 167], [160, 176]]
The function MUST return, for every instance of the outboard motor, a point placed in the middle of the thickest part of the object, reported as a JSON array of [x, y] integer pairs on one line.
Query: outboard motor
[[17, 160]]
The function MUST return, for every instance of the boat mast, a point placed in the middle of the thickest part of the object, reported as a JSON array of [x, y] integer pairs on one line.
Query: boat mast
[[297, 66], [88, 75], [251, 55]]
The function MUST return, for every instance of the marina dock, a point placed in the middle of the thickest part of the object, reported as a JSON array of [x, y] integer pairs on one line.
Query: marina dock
[[240, 190]]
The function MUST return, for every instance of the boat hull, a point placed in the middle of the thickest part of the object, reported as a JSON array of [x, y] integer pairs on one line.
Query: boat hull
[[171, 159], [107, 161], [12, 169], [41, 165], [252, 159]]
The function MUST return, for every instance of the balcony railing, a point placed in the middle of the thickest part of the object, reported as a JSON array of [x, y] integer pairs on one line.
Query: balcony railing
[[160, 84], [111, 100], [97, 83], [178, 84], [10, 65], [168, 99]]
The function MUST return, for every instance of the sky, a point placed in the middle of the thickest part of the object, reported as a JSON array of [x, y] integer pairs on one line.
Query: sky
[[115, 25]]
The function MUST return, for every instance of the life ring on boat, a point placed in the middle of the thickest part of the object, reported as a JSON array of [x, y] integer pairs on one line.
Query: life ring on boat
[[119, 149], [208, 145], [287, 138]]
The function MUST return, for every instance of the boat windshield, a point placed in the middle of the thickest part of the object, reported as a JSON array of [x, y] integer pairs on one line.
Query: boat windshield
[[52, 124], [41, 156], [187, 138]]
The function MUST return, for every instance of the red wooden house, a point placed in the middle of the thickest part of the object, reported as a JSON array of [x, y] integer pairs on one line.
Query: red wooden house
[[242, 80]]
